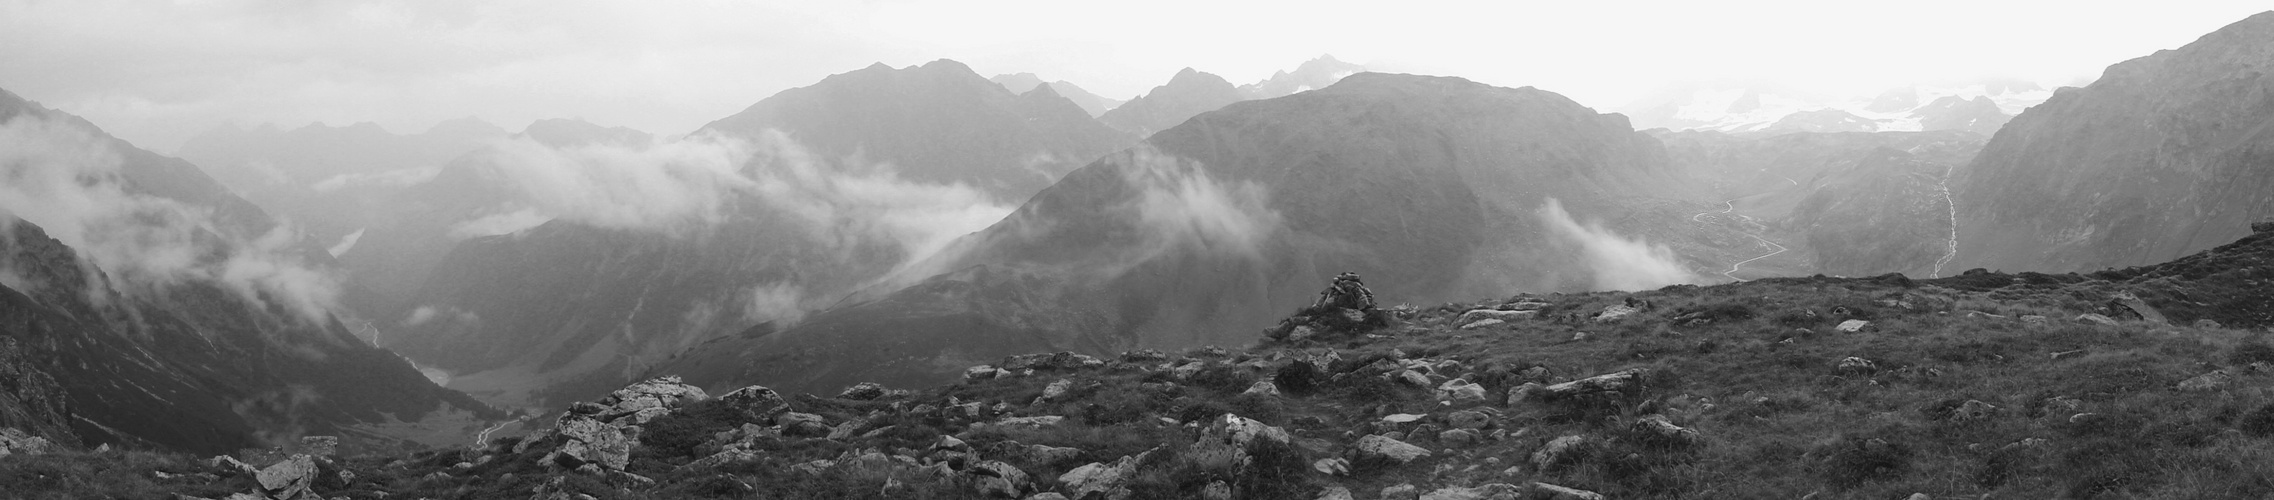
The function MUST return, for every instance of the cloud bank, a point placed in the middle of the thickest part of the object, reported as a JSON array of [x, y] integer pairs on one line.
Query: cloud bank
[[1616, 262], [68, 181]]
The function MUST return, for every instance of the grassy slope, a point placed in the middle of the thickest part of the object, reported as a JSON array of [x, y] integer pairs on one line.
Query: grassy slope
[[1750, 366]]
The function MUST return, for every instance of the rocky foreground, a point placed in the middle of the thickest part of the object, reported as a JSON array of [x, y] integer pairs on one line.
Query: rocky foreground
[[2148, 382]]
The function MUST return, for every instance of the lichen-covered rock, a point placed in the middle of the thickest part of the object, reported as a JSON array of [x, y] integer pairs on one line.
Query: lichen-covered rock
[[1851, 326], [15, 442], [649, 399], [588, 441], [1853, 366], [864, 391], [288, 479], [1243, 431]]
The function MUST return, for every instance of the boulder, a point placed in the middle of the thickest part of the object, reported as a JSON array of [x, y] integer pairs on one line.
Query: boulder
[[1527, 392], [1475, 315], [756, 403], [865, 391], [1382, 447], [589, 442], [1852, 326], [14, 442], [1616, 312], [1331, 466], [1107, 481], [1057, 389], [1459, 437], [1262, 388], [1403, 418], [2126, 305], [1494, 491], [289, 479], [1401, 492], [1218, 490], [1972, 410], [994, 479], [803, 424], [1414, 377], [981, 372], [1469, 419], [1243, 431], [1460, 391]]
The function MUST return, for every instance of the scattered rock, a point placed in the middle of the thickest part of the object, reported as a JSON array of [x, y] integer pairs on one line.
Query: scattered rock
[[2208, 323], [1383, 447], [1243, 431], [981, 372], [1973, 409], [1335, 493], [997, 479], [589, 442], [1665, 430], [2128, 306], [1852, 365], [1526, 392], [2215, 380], [756, 403], [1403, 418], [1108, 481], [288, 479], [1262, 387], [1476, 315], [2096, 319], [1852, 326], [721, 458], [1481, 324], [1414, 377], [1547, 491], [1615, 312], [1331, 466], [1494, 491], [1557, 451], [1620, 381]]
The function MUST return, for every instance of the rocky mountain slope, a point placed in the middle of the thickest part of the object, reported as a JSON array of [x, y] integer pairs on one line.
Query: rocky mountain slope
[[1020, 83], [2116, 384], [1311, 75], [2164, 155], [185, 319], [1188, 93], [844, 182], [1438, 186]]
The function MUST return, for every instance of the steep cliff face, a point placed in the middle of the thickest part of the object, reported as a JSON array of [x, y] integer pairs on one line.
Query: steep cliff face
[[30, 399], [1432, 187], [2164, 155]]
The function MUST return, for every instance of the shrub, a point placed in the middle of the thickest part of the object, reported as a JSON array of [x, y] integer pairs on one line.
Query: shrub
[[1852, 461]]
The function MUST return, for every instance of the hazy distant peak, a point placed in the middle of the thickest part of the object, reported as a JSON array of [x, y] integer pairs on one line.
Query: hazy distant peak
[[1017, 83], [1314, 74], [469, 126], [950, 65], [565, 132]]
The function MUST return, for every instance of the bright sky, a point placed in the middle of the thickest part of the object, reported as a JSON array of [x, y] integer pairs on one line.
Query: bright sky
[[158, 72]]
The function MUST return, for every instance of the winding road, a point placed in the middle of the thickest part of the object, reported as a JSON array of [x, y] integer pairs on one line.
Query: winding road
[[1730, 208]]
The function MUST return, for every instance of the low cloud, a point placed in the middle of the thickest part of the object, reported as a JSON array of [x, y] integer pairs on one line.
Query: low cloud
[[1617, 262], [68, 181], [392, 178], [1182, 205]]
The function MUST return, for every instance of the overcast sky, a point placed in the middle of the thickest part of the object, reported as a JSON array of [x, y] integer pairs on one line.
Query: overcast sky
[[159, 72]]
